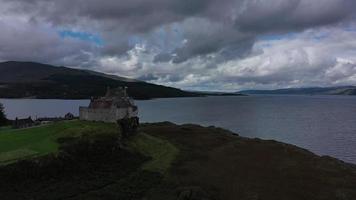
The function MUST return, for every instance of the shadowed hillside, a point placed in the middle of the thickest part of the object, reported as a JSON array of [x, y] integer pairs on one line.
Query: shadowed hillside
[[34, 80]]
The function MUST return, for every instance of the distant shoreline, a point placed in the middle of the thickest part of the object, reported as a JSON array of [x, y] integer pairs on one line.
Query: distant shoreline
[[202, 95]]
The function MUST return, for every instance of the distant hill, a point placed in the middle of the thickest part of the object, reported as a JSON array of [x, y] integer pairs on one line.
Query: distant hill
[[342, 90], [35, 80], [213, 93]]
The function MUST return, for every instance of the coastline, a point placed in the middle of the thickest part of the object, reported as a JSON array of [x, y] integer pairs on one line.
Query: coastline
[[193, 162]]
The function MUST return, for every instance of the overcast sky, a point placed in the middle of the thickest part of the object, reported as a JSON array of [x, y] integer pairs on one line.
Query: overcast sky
[[224, 45]]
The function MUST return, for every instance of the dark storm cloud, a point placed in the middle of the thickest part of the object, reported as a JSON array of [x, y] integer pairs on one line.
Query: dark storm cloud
[[163, 57], [123, 18], [30, 42], [292, 14], [134, 15]]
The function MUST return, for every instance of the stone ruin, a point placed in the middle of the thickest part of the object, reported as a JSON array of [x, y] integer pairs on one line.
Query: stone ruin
[[115, 107]]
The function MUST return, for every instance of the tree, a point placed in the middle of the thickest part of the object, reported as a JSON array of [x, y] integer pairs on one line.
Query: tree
[[3, 120]]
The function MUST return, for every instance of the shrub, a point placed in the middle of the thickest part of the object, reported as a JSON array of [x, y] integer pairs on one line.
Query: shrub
[[3, 120]]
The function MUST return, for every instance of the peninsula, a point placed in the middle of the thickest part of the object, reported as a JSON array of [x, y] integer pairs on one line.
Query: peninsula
[[86, 160]]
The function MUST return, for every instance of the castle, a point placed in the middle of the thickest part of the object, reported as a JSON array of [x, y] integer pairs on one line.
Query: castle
[[116, 105]]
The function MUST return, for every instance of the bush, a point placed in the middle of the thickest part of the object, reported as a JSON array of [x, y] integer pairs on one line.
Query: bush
[[3, 120]]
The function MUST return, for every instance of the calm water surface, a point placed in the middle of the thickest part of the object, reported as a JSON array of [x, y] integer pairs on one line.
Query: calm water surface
[[325, 125]]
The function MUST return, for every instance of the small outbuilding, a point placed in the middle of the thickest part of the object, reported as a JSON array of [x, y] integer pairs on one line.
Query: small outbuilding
[[69, 116], [23, 123]]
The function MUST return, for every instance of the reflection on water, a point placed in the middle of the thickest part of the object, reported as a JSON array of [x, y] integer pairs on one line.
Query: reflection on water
[[325, 125]]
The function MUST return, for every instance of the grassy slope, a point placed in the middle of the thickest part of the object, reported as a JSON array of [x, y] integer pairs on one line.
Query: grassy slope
[[37, 141], [23, 143], [161, 152], [86, 167]]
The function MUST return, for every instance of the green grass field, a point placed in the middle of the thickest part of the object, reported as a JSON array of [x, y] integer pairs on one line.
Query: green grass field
[[17, 144], [161, 152], [25, 143]]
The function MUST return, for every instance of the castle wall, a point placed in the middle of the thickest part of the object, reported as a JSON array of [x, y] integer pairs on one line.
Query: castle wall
[[105, 115], [101, 115], [129, 112]]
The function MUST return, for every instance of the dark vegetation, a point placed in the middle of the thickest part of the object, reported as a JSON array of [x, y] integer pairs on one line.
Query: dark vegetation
[[34, 80], [170, 162], [85, 168], [3, 119], [42, 140], [342, 90], [215, 164]]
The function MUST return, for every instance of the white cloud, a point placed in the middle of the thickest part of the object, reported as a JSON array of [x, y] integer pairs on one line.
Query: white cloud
[[303, 60], [315, 57]]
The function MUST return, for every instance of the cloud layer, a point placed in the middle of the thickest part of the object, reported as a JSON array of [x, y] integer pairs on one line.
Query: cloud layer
[[201, 44]]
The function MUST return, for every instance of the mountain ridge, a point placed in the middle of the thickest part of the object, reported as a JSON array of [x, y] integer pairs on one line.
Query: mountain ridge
[[43, 81], [336, 90]]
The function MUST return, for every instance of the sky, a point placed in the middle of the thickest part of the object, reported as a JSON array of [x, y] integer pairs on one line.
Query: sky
[[215, 45]]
